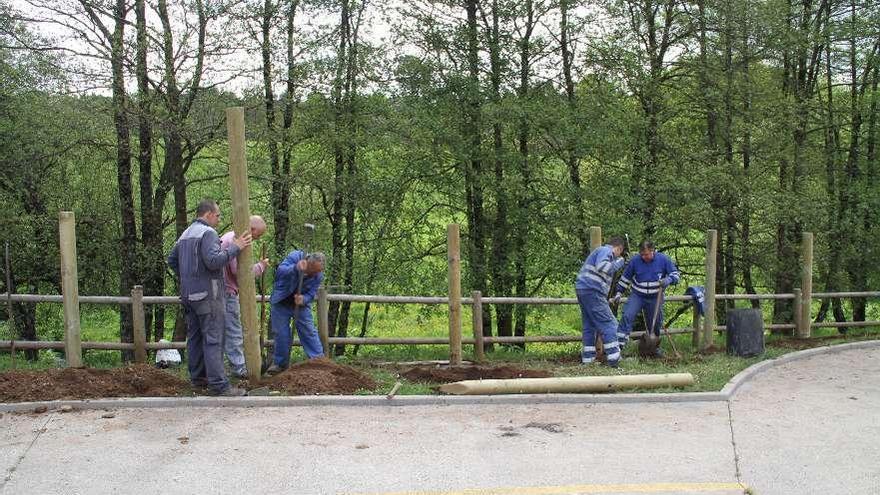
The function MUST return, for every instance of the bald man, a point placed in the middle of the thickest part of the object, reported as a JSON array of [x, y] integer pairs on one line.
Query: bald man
[[233, 339]]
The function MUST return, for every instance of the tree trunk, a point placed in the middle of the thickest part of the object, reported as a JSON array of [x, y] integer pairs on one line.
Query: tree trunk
[[524, 197], [282, 184], [499, 262], [128, 245], [572, 157], [473, 168]]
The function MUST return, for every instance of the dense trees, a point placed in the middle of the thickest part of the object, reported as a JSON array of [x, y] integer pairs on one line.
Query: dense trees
[[526, 121]]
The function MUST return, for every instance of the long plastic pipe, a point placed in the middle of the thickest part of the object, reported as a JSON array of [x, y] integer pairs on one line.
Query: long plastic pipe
[[575, 384]]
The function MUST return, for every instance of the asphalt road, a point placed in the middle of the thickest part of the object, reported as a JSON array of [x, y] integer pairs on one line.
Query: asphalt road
[[810, 426]]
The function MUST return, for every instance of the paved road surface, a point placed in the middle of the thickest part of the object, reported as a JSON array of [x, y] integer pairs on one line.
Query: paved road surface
[[810, 426]]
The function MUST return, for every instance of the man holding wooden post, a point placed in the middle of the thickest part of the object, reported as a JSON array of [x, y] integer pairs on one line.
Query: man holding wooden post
[[233, 335], [198, 261], [592, 285]]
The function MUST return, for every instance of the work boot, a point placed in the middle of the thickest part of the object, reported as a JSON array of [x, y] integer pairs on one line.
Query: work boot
[[658, 353], [230, 392], [275, 369]]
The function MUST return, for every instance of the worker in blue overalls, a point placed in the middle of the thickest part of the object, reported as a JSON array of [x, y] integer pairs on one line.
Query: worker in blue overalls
[[648, 273], [592, 287]]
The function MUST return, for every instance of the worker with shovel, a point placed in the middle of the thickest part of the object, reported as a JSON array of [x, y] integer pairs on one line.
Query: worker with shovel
[[592, 285], [297, 279], [648, 274]]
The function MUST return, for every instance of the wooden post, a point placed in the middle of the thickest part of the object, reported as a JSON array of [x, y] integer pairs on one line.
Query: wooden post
[[138, 321], [241, 219], [454, 257], [595, 237], [797, 312], [70, 289], [477, 307], [806, 286], [696, 325], [711, 258], [323, 321]]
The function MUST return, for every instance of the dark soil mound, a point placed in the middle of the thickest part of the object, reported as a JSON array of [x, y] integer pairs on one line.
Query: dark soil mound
[[448, 374], [322, 377], [88, 383]]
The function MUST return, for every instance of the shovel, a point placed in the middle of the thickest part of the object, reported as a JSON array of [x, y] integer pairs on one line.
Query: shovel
[[649, 342]]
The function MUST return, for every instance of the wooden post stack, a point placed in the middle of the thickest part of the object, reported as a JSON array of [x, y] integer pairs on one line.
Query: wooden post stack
[[454, 258], [241, 219], [477, 307], [806, 286], [70, 289], [711, 260], [138, 324]]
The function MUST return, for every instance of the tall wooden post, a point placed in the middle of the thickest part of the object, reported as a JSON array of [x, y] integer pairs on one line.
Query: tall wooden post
[[711, 260], [806, 286], [595, 237], [323, 322], [70, 289], [241, 219], [454, 257], [138, 321], [477, 307]]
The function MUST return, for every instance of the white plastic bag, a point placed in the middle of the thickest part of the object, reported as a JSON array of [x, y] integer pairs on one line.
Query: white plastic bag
[[167, 357]]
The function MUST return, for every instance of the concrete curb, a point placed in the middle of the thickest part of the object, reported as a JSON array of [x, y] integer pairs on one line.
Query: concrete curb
[[725, 394]]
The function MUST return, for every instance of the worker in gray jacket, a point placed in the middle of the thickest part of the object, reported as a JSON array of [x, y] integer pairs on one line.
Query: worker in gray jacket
[[198, 260]]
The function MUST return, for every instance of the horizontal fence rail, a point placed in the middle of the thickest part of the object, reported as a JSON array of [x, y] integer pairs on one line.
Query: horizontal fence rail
[[422, 300]]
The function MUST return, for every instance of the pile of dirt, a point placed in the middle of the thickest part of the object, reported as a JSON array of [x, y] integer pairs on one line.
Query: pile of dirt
[[448, 374], [88, 383], [320, 377]]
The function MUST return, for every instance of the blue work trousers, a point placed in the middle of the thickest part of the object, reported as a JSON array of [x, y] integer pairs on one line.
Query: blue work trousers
[[639, 303], [281, 315], [596, 316], [204, 343]]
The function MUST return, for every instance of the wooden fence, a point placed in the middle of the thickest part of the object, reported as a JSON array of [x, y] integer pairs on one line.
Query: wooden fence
[[701, 328]]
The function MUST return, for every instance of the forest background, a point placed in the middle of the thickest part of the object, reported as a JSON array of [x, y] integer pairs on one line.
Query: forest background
[[525, 121]]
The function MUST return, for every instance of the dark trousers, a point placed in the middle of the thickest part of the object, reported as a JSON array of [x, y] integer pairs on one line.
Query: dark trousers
[[205, 322]]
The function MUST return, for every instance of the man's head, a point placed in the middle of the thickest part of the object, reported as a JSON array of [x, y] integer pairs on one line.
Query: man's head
[[617, 245], [209, 212], [258, 226], [314, 263], [646, 251]]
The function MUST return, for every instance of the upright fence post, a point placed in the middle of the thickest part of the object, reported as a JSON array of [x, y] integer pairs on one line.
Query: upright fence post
[[454, 256], [138, 322], [797, 312], [806, 286], [711, 259], [323, 322], [595, 237], [696, 325], [241, 218], [70, 289], [477, 316]]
